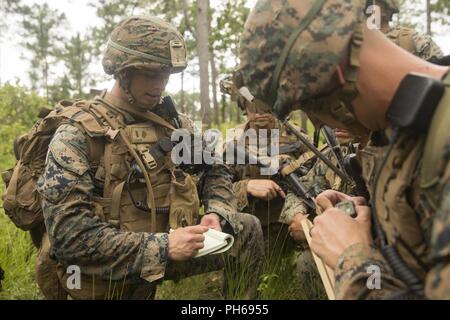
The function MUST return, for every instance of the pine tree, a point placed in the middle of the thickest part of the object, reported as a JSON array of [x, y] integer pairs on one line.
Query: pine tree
[[42, 38]]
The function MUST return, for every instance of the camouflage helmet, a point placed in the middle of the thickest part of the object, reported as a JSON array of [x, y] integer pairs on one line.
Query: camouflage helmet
[[145, 42], [391, 5], [290, 49], [227, 87]]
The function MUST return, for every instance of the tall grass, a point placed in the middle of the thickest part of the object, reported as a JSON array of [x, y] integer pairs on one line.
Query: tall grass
[[279, 278], [17, 258]]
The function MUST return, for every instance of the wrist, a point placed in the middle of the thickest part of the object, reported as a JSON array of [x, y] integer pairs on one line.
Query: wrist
[[213, 214], [248, 186]]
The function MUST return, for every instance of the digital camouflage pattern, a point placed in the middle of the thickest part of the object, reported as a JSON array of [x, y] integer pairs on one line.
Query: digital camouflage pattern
[[275, 215], [405, 212], [321, 177], [77, 235], [418, 44], [80, 237], [421, 45], [310, 63], [145, 42], [81, 192], [277, 210]]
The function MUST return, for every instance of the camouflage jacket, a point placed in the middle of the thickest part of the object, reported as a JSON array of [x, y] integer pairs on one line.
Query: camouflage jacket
[[321, 177], [277, 210], [421, 45], [414, 218], [82, 238]]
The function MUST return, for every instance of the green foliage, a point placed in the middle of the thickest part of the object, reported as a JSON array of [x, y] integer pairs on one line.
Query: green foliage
[[7, 8], [227, 27], [41, 37], [77, 56], [17, 258], [412, 13], [111, 12], [18, 110], [201, 287]]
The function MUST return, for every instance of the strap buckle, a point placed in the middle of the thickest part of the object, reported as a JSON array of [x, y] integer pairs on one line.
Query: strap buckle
[[149, 161], [111, 134]]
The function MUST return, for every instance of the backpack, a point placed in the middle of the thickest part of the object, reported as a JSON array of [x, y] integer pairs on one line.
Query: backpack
[[21, 200]]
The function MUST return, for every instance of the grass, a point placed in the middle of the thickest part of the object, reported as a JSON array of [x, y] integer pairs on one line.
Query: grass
[[279, 281], [17, 257]]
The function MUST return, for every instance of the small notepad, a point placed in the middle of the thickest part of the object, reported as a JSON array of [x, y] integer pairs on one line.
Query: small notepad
[[215, 242]]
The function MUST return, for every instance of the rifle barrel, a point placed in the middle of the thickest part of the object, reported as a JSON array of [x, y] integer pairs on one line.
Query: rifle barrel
[[311, 147]]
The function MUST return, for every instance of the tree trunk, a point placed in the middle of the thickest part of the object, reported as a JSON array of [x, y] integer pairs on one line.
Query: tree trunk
[[304, 122], [203, 57], [214, 89], [224, 107], [238, 115]]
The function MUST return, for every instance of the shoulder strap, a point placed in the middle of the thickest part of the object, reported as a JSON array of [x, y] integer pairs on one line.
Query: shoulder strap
[[436, 147], [406, 40], [119, 130], [94, 130]]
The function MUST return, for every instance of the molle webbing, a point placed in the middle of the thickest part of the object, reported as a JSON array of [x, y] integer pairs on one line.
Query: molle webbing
[[118, 127]]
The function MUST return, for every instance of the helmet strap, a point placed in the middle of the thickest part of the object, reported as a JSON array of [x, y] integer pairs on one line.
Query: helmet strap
[[125, 83]]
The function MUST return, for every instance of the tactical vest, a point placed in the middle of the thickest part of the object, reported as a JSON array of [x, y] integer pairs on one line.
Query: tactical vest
[[410, 186], [403, 37], [336, 183], [267, 211], [116, 147]]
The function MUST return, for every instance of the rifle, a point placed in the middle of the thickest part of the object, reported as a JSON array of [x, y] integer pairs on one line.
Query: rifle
[[317, 152], [331, 141], [290, 172]]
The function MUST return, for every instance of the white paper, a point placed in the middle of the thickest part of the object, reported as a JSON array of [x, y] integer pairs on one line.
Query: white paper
[[215, 242]]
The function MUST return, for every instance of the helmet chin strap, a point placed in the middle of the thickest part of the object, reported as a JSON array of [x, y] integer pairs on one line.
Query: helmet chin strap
[[125, 83]]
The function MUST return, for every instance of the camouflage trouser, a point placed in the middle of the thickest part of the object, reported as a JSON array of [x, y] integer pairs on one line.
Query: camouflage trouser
[[242, 265], [309, 275]]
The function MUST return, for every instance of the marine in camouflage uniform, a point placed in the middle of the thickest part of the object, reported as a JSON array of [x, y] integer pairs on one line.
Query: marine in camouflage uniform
[[108, 203], [421, 45], [274, 209], [324, 178], [293, 53]]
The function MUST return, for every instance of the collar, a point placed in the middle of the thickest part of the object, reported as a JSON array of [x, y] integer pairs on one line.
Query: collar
[[121, 106]]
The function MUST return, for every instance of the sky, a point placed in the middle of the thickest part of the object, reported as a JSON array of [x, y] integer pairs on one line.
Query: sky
[[80, 17]]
